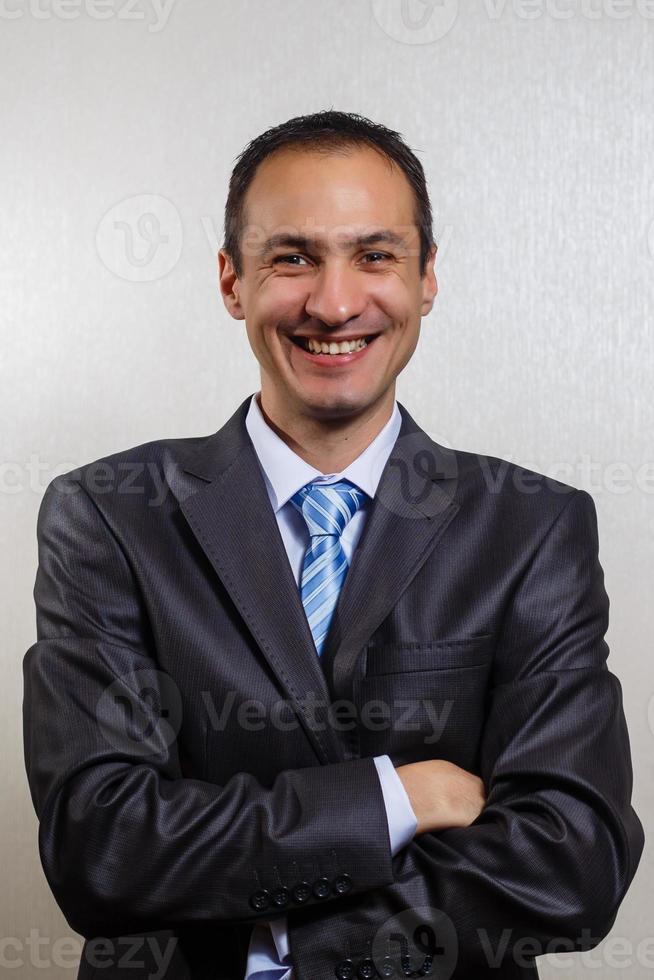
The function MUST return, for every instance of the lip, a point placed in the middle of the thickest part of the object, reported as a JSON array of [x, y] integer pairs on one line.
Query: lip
[[332, 360]]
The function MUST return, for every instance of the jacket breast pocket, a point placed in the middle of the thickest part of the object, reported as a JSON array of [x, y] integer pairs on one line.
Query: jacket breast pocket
[[445, 654], [425, 700]]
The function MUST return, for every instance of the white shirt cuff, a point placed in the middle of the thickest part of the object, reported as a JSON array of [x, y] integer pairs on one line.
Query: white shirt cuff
[[402, 822]]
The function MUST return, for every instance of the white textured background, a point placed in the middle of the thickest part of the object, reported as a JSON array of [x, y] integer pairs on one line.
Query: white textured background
[[534, 122]]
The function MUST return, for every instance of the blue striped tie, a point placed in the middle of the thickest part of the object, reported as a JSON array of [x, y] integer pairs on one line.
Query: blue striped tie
[[326, 508]]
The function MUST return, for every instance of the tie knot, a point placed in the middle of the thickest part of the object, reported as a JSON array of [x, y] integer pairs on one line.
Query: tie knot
[[327, 507]]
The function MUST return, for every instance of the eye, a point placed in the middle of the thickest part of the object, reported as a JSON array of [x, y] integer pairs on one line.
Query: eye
[[286, 259], [380, 255]]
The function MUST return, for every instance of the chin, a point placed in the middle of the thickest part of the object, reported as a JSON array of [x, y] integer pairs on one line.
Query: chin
[[336, 404]]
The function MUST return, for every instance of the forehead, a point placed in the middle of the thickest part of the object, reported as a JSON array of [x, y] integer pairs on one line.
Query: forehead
[[354, 187]]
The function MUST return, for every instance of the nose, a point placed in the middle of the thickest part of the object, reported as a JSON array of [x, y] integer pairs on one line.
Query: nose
[[337, 294]]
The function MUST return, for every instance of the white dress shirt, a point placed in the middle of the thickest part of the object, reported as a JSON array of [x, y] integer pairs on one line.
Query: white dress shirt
[[285, 473]]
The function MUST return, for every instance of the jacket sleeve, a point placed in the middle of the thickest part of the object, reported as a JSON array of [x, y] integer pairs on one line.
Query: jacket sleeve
[[552, 854], [128, 843]]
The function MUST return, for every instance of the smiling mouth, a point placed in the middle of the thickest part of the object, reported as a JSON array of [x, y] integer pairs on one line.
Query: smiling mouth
[[333, 347]]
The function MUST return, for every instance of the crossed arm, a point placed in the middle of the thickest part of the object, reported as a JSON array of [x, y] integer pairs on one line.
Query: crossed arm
[[128, 844]]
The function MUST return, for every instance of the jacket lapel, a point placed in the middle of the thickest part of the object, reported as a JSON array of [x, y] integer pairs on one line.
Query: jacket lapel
[[222, 494], [414, 503]]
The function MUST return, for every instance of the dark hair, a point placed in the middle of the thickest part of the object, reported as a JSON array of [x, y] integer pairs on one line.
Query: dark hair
[[326, 131]]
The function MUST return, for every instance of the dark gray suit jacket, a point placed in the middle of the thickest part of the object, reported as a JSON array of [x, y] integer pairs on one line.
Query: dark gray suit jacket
[[175, 812]]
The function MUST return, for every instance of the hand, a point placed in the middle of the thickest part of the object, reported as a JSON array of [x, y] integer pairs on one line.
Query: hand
[[442, 794]]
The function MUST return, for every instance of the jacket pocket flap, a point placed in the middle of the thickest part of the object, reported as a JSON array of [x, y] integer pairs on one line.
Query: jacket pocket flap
[[446, 654]]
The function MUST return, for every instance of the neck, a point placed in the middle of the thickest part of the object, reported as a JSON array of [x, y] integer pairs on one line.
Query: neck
[[328, 444]]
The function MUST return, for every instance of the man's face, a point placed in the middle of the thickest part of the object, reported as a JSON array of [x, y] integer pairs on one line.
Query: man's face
[[330, 251]]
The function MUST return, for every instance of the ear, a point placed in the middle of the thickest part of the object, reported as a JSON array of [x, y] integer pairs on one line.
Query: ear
[[229, 285], [429, 283]]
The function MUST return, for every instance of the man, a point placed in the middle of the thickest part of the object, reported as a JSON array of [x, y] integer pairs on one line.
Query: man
[[315, 696]]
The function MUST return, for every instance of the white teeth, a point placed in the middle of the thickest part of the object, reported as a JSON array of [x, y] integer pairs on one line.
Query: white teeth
[[344, 347]]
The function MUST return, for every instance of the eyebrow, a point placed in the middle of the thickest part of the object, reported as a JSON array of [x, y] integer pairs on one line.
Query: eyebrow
[[302, 242]]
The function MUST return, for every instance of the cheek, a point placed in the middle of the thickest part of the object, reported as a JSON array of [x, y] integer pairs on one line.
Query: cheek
[[280, 301], [393, 297]]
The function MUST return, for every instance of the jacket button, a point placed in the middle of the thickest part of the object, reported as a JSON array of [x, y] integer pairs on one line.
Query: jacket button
[[345, 970], [366, 970], [386, 967], [322, 887], [302, 892], [342, 884], [281, 897], [260, 899]]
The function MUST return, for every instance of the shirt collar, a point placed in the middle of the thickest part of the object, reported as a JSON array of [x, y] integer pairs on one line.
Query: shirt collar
[[286, 472]]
